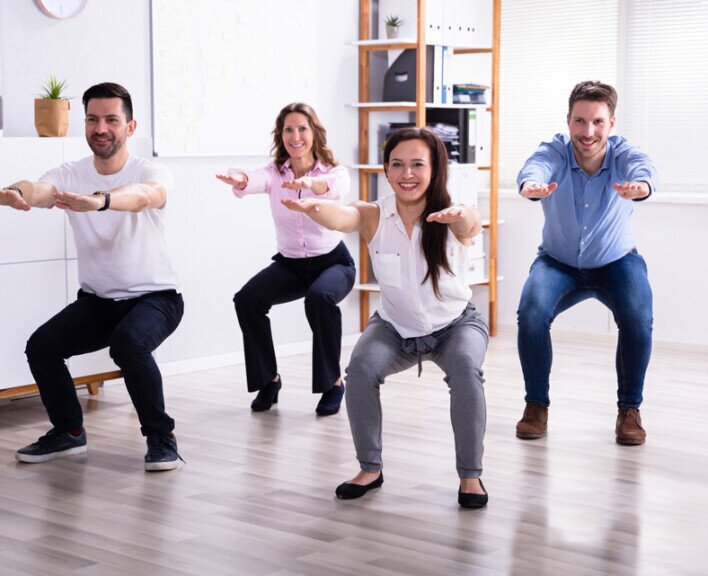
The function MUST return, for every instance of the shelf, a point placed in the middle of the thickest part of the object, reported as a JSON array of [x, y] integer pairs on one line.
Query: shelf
[[411, 106], [374, 288], [386, 106], [387, 43]]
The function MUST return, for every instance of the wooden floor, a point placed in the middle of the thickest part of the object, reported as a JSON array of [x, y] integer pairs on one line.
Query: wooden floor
[[256, 496]]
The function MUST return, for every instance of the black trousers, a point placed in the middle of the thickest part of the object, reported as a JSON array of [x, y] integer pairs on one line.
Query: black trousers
[[132, 329], [323, 281]]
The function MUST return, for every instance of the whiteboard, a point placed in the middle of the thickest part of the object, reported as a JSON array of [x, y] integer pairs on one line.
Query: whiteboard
[[223, 69]]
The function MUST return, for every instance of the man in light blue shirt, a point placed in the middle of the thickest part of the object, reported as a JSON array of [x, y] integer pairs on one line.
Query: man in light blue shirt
[[588, 183]]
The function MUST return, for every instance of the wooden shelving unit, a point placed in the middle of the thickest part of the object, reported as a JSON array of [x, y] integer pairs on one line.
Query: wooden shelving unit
[[365, 107]]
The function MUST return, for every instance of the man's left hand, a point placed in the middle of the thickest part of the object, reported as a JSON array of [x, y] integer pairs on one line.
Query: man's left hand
[[632, 190], [78, 202]]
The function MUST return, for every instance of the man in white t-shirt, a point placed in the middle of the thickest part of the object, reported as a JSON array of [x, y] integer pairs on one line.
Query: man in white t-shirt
[[129, 299]]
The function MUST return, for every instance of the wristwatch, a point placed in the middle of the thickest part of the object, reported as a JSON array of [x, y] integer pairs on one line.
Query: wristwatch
[[107, 196]]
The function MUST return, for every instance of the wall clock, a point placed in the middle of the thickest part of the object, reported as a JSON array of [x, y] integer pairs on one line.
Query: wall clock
[[61, 9]]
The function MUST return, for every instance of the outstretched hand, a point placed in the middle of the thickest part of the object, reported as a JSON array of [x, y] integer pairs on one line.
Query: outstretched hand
[[448, 215], [237, 180], [78, 202], [12, 199], [533, 189], [306, 205], [632, 190], [299, 183]]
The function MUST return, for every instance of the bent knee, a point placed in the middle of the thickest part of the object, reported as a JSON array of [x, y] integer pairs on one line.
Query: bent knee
[[126, 347], [39, 344]]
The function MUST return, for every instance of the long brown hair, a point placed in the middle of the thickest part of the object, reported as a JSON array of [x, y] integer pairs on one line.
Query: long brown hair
[[319, 141], [434, 237]]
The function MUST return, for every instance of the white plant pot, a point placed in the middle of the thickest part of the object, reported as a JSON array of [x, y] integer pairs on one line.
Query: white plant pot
[[391, 32]]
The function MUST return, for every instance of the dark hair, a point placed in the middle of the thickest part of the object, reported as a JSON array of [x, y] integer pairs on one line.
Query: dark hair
[[319, 142], [596, 92], [434, 237], [110, 90]]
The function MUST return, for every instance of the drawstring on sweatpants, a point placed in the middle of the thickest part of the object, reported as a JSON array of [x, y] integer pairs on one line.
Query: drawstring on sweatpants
[[420, 345]]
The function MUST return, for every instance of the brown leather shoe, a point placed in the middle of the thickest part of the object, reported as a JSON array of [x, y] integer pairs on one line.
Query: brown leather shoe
[[533, 423], [629, 427]]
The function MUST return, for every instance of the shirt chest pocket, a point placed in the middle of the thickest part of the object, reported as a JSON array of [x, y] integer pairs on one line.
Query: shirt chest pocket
[[388, 269]]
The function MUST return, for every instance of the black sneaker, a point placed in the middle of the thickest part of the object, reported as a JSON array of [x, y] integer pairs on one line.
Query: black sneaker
[[53, 444], [162, 452]]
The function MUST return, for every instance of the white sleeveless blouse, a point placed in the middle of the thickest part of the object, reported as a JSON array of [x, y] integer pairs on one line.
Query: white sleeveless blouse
[[400, 266]]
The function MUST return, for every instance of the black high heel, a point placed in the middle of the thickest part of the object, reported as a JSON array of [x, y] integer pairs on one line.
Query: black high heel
[[267, 396]]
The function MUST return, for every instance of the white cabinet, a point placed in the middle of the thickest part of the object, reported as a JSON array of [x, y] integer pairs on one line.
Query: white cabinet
[[38, 234], [30, 294]]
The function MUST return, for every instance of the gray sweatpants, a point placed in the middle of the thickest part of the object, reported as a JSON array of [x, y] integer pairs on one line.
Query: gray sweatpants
[[458, 349]]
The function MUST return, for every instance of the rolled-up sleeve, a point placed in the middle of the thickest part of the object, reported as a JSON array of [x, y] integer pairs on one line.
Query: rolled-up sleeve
[[338, 182]]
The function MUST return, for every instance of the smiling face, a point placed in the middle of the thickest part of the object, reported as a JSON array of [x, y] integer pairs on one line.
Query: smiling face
[[590, 124], [107, 128], [409, 170], [298, 137]]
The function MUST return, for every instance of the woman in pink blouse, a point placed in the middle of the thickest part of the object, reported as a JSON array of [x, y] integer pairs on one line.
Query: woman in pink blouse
[[312, 261]]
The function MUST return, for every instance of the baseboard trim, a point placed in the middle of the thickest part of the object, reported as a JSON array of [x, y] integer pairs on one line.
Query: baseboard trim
[[236, 358]]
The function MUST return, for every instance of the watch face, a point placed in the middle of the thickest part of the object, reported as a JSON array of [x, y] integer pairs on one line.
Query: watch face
[[61, 8]]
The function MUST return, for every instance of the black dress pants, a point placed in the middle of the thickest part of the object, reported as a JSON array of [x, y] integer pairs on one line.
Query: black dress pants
[[323, 281]]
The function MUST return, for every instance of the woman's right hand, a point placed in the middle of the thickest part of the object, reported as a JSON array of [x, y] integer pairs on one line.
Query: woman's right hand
[[306, 205], [238, 180]]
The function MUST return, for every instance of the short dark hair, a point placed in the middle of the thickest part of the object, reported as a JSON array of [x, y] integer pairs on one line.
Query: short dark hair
[[596, 92], [434, 236], [110, 90]]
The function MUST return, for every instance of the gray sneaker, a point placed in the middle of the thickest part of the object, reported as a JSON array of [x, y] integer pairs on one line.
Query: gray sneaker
[[53, 444], [162, 452]]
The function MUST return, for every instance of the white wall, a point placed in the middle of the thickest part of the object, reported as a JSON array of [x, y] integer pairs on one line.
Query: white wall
[[217, 241]]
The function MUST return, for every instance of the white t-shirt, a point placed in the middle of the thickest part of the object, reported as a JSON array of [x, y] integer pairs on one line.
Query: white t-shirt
[[400, 266], [120, 254]]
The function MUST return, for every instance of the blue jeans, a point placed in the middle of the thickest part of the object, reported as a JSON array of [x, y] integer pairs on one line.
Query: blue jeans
[[552, 287], [132, 329]]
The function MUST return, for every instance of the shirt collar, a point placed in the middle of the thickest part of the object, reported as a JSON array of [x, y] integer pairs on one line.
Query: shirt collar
[[605, 162], [318, 168]]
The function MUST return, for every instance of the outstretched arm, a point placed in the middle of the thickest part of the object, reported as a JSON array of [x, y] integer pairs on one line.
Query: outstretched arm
[[464, 221], [355, 217], [129, 198], [633, 190], [238, 180], [318, 185], [24, 195], [535, 190]]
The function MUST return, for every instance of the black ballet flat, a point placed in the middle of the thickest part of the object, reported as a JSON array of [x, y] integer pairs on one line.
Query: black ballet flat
[[267, 396], [348, 491], [467, 500]]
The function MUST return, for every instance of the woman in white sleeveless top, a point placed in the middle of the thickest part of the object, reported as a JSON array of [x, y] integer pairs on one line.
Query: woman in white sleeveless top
[[418, 245]]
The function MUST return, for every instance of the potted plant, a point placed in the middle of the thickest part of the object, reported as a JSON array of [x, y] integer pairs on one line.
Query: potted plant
[[51, 109], [393, 23]]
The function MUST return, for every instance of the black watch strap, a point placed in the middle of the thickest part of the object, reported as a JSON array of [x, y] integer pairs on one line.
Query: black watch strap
[[107, 196]]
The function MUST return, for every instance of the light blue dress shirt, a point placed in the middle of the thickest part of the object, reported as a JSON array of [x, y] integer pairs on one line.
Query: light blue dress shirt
[[586, 220]]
